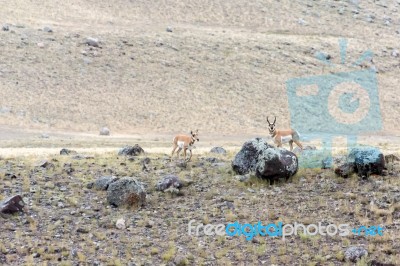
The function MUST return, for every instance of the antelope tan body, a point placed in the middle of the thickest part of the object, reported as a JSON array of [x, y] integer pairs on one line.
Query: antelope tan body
[[284, 136], [184, 142]]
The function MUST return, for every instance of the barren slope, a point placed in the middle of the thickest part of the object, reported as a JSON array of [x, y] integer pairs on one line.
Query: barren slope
[[222, 69]]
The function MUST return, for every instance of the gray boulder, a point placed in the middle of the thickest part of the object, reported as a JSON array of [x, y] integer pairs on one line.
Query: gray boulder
[[218, 150], [246, 159], [367, 160], [131, 151], [355, 253], [65, 151], [12, 205], [266, 161], [169, 181], [103, 182], [363, 160], [126, 192]]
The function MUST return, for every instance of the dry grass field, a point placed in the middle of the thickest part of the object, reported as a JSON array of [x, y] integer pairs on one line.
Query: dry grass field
[[165, 67]]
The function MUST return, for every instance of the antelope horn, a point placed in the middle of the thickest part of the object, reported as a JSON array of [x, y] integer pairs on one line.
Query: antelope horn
[[275, 120], [268, 120]]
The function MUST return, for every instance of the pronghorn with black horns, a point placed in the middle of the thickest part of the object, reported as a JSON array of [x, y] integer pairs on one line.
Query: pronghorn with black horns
[[185, 142], [280, 136]]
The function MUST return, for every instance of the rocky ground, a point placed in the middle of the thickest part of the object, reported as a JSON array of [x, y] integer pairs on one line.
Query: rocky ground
[[70, 222]]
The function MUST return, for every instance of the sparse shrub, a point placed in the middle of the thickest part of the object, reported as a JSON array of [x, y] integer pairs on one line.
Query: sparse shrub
[[169, 254]]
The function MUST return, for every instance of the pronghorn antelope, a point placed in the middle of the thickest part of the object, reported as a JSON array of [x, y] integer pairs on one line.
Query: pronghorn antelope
[[185, 142], [283, 136]]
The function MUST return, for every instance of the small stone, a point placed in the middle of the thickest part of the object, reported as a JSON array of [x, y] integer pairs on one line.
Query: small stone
[[395, 53], [301, 21], [150, 224], [5, 27], [65, 151], [120, 224], [242, 178], [169, 29], [44, 136], [104, 131], [82, 230], [92, 42], [47, 29], [41, 45]]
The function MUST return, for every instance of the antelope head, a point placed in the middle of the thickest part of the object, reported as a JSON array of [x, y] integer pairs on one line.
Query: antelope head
[[195, 135], [271, 126]]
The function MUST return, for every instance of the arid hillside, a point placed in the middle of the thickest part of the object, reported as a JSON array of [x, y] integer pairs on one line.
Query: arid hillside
[[168, 66]]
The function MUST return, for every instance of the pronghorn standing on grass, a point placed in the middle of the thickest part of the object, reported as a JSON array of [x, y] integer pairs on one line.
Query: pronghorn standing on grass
[[283, 136], [185, 142]]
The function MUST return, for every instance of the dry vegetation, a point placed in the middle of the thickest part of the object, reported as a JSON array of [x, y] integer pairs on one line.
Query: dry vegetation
[[68, 223]]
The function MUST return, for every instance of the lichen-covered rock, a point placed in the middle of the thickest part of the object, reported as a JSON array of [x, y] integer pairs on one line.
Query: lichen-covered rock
[[126, 192], [265, 160], [131, 151], [355, 253], [246, 159]]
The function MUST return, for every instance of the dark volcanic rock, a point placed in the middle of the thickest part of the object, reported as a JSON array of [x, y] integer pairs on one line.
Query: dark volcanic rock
[[265, 160], [361, 160], [126, 192], [169, 181], [367, 160], [131, 151], [12, 205], [276, 163]]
